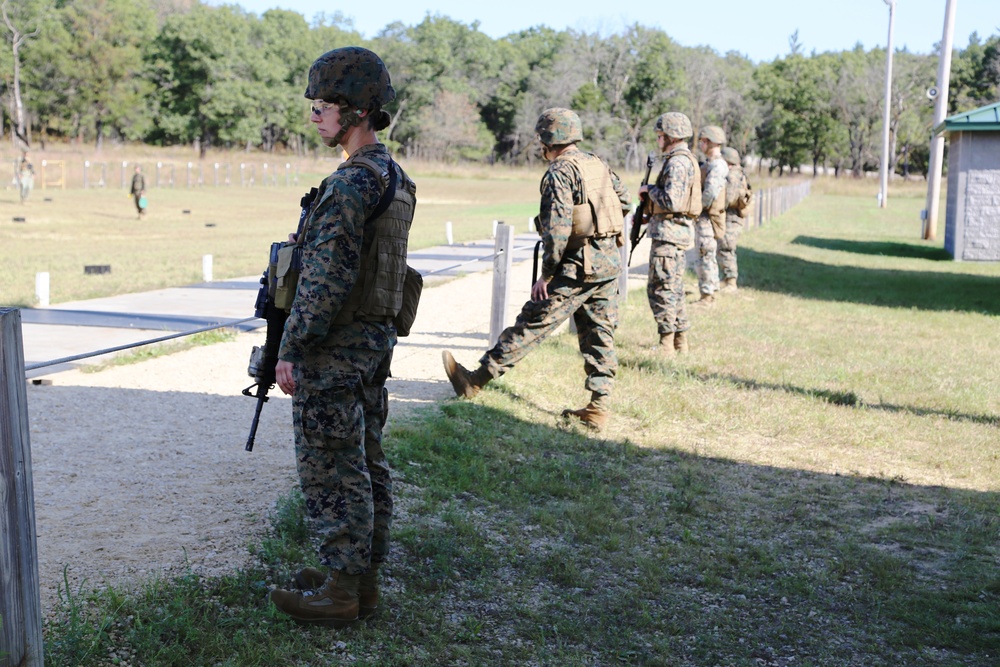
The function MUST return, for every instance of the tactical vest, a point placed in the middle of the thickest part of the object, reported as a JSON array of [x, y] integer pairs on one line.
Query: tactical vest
[[377, 295], [600, 215], [690, 206], [716, 211]]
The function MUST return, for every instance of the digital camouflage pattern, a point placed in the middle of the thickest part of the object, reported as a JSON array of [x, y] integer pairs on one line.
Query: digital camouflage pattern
[[737, 190], [339, 409], [557, 126], [713, 133], [339, 405], [353, 74], [591, 299], [669, 193], [671, 236], [715, 173], [675, 125], [665, 287]]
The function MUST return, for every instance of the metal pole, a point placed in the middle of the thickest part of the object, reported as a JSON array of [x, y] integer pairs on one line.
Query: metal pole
[[940, 109], [884, 165]]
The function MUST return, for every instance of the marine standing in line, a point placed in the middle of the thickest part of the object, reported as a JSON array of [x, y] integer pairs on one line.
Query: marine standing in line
[[337, 345], [711, 225], [138, 190], [738, 198], [581, 222], [675, 202]]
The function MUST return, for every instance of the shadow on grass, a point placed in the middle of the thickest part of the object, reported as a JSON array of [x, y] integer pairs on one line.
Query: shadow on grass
[[849, 399], [926, 290], [882, 248]]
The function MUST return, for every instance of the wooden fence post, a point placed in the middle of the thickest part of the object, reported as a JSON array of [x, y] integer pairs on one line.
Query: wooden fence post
[[20, 595], [503, 262]]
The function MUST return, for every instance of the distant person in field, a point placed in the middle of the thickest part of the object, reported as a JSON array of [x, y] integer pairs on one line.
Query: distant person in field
[[711, 225], [581, 223], [738, 198], [25, 176], [674, 205], [139, 190]]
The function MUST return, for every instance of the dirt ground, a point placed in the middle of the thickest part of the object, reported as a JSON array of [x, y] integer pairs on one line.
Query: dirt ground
[[141, 469]]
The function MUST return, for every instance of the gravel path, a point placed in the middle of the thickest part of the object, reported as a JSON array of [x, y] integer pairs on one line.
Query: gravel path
[[141, 469]]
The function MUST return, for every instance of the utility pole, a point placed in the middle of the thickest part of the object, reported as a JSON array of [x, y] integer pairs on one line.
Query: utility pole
[[883, 194], [940, 96]]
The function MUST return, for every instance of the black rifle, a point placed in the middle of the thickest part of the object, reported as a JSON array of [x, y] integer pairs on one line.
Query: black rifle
[[263, 360], [636, 233]]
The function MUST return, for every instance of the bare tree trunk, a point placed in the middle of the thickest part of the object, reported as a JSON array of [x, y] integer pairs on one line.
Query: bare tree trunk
[[20, 134]]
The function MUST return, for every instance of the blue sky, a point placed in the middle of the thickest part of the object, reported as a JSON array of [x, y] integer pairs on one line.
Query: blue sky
[[758, 29]]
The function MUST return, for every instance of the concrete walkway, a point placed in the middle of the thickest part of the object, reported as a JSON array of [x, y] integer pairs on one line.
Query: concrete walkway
[[82, 327]]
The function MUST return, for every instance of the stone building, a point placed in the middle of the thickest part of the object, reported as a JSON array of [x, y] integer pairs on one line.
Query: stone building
[[972, 228]]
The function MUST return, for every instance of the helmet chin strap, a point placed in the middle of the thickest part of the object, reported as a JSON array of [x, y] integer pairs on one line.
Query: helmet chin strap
[[349, 117]]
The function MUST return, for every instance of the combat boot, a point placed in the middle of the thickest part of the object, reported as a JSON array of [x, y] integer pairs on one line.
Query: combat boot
[[335, 604], [706, 301], [593, 415], [465, 382], [666, 345], [312, 578], [729, 285], [681, 342]]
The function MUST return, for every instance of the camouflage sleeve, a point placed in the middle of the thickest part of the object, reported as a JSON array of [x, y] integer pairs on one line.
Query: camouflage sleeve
[[621, 191], [331, 263], [715, 182], [671, 186], [556, 215]]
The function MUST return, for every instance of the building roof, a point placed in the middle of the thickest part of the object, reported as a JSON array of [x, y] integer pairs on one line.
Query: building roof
[[982, 119]]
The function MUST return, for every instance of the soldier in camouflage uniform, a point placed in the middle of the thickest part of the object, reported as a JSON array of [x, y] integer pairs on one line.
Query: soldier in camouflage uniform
[[738, 196], [337, 345], [711, 225], [581, 222], [674, 204]]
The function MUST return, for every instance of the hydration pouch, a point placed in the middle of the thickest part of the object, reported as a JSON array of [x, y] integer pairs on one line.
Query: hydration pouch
[[287, 266]]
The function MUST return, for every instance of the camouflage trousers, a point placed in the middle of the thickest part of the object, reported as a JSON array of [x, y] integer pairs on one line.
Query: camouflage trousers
[[665, 287], [727, 250], [708, 267], [338, 411], [594, 308]]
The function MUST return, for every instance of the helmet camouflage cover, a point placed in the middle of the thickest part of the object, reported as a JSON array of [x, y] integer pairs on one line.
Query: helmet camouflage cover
[[675, 125], [713, 133], [558, 126], [731, 156], [352, 74]]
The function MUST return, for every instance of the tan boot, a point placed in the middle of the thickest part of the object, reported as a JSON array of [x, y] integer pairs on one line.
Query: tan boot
[[593, 416], [336, 603], [312, 578], [666, 345], [729, 285], [681, 342], [465, 383], [706, 301]]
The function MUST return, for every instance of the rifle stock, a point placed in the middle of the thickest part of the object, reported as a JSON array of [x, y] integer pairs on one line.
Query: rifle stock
[[636, 232]]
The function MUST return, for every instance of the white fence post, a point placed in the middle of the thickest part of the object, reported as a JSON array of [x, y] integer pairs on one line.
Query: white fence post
[[20, 593], [206, 268], [42, 289], [448, 233], [503, 262]]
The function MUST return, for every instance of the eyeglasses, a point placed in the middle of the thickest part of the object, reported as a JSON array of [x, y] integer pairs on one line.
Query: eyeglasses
[[318, 108]]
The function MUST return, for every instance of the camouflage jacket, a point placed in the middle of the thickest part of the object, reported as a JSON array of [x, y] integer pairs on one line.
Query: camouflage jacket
[[334, 239], [716, 172], [561, 188], [678, 177]]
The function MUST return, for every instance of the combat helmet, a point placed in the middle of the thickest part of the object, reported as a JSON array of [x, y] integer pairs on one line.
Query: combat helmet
[[557, 126], [713, 133], [731, 156], [675, 125], [353, 75]]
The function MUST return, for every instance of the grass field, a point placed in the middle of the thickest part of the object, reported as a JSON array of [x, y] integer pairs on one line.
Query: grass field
[[815, 484]]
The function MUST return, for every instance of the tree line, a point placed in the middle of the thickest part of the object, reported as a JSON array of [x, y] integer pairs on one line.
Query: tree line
[[179, 72]]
